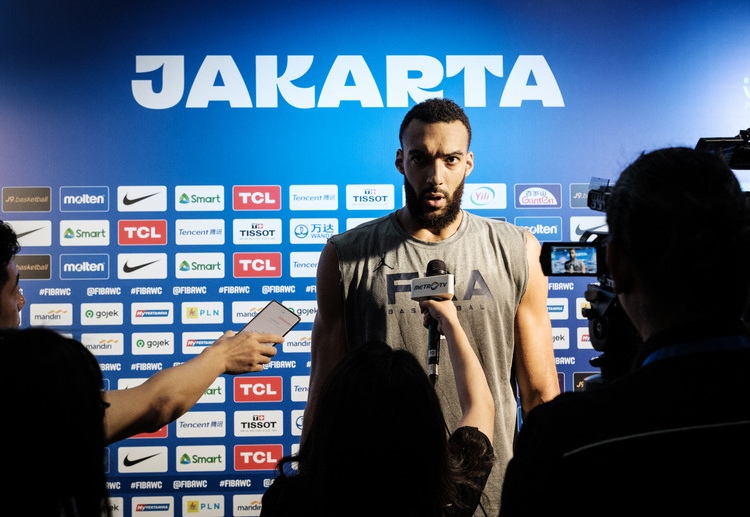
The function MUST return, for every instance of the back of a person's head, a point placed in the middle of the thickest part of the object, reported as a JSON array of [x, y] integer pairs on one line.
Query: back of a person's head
[[53, 391], [9, 247], [682, 219], [432, 111], [378, 430]]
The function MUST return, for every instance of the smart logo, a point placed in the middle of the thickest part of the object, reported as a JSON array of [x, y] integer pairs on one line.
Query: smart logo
[[201, 458], [199, 265], [256, 197], [203, 198], [84, 233]]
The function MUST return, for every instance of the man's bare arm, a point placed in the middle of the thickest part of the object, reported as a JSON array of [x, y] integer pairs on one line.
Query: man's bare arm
[[328, 338], [534, 354]]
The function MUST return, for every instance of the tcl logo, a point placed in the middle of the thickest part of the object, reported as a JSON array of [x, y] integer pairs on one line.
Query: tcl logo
[[256, 197], [257, 457], [141, 232], [257, 389], [257, 265]]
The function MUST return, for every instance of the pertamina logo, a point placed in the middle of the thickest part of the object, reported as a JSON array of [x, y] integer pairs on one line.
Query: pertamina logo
[[257, 265], [152, 232], [257, 389], [261, 197], [257, 457]]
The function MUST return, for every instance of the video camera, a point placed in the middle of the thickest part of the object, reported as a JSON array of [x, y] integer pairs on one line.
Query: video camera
[[610, 330]]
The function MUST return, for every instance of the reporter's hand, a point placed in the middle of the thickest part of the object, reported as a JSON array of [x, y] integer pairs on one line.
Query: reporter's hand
[[245, 352]]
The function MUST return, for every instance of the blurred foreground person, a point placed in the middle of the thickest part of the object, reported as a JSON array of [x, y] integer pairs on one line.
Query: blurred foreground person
[[52, 392], [671, 435], [380, 444]]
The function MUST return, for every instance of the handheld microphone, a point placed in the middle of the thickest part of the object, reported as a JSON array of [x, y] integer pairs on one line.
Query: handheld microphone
[[437, 284]]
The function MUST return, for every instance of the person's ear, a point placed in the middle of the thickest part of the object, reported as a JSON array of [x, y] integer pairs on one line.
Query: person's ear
[[619, 268], [400, 161]]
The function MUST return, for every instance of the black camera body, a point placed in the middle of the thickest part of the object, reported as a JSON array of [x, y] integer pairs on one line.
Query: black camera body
[[610, 330]]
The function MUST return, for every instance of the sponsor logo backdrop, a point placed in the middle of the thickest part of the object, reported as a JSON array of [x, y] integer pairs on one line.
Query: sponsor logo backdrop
[[171, 167]]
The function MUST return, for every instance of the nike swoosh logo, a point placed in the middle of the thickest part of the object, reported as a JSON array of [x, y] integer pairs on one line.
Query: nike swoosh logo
[[131, 201], [580, 231], [24, 234], [127, 462], [129, 269]]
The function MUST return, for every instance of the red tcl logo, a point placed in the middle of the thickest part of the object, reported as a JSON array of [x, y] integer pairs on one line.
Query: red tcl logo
[[257, 265], [257, 457], [257, 389], [141, 232], [256, 197]]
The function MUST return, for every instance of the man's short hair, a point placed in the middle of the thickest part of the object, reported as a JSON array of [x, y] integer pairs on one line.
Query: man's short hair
[[435, 110], [9, 247]]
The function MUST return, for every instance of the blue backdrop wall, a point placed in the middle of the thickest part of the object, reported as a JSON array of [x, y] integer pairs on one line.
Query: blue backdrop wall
[[172, 166]]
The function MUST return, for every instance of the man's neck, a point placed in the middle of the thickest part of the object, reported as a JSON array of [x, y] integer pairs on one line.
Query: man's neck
[[410, 226]]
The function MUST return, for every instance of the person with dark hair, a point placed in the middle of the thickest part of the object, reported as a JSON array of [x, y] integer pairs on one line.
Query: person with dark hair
[[11, 294], [670, 434], [363, 276], [167, 394], [380, 437], [58, 413]]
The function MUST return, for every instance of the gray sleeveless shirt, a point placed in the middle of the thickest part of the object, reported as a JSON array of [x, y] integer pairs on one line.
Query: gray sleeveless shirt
[[377, 261]]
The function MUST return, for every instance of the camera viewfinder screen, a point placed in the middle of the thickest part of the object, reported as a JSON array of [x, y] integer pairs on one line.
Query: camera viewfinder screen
[[573, 260]]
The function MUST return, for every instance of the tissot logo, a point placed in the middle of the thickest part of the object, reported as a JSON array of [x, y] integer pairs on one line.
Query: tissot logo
[[150, 198], [257, 457], [142, 459], [259, 423], [260, 197], [256, 265], [143, 233], [26, 199]]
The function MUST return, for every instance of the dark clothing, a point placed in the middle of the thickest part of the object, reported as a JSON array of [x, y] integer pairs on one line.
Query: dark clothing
[[291, 496], [671, 435]]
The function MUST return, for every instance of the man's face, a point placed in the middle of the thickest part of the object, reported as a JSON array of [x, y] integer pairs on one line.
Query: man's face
[[435, 162], [11, 299]]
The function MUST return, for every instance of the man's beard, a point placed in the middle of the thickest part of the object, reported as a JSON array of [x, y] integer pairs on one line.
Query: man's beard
[[433, 219]]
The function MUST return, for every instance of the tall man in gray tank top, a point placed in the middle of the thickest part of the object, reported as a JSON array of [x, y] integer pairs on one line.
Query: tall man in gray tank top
[[364, 281]]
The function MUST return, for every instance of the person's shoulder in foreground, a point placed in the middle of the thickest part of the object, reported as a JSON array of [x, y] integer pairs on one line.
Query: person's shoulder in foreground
[[670, 434]]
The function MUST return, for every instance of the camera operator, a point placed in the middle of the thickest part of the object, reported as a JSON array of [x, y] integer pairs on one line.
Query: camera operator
[[671, 434]]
